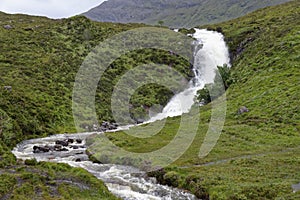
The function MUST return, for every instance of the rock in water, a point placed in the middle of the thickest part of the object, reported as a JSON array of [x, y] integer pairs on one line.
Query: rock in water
[[37, 149], [62, 142], [70, 140], [79, 141], [139, 121]]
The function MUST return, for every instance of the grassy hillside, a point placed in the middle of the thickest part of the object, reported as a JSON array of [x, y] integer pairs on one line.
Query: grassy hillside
[[38, 63], [175, 13], [258, 153], [50, 181]]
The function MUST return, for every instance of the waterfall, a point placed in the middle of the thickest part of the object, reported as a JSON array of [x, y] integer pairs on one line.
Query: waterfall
[[126, 182], [210, 51]]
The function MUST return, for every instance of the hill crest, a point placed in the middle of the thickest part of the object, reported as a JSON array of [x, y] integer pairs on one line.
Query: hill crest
[[175, 13]]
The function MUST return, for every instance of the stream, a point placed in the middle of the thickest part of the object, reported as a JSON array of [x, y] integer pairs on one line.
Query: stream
[[127, 182]]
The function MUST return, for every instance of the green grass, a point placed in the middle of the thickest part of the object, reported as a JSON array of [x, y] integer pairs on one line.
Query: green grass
[[51, 181], [257, 155], [39, 60]]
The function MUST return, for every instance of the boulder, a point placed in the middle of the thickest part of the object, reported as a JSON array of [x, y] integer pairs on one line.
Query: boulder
[[242, 109], [7, 27], [63, 149], [51, 148], [70, 140], [139, 121], [115, 124], [62, 142], [36, 149], [39, 149], [105, 124], [75, 147], [79, 141], [57, 147], [112, 127], [102, 129]]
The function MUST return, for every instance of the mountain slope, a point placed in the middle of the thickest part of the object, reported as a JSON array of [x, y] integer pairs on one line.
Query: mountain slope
[[175, 13], [39, 60], [257, 155], [38, 63]]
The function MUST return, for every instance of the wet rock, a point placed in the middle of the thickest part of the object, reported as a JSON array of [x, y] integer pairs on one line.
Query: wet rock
[[79, 141], [57, 147], [7, 27], [78, 160], [103, 129], [139, 121], [219, 30], [75, 147], [38, 149], [64, 149], [51, 148], [62, 142], [112, 127], [70, 140], [105, 126], [79, 153], [116, 124], [242, 110]]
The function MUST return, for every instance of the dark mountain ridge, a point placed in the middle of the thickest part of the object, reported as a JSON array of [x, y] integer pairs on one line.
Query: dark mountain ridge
[[175, 13]]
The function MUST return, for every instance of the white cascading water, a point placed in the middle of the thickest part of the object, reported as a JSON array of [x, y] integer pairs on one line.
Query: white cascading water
[[206, 59], [126, 182]]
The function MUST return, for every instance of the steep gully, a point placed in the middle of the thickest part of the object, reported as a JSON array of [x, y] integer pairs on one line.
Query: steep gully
[[124, 181]]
